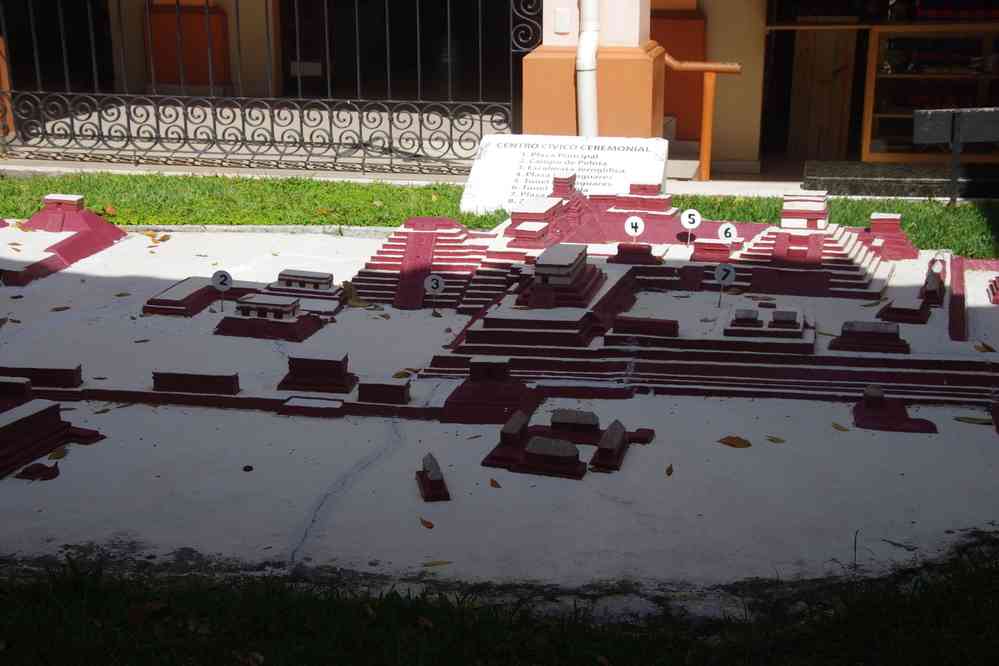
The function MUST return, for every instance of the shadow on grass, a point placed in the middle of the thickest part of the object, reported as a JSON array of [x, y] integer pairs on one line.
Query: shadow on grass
[[939, 612]]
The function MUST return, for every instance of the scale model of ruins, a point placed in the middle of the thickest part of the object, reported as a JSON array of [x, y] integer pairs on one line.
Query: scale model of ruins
[[562, 302]]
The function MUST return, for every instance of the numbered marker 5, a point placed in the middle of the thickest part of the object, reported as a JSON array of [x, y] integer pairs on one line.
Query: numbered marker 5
[[727, 232], [725, 274], [222, 281], [434, 285], [634, 226], [690, 219]]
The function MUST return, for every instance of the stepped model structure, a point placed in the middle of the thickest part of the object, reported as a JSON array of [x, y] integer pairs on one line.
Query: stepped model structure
[[62, 233]]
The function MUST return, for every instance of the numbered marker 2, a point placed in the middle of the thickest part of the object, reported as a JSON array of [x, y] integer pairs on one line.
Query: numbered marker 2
[[727, 232], [434, 285], [222, 281], [690, 219], [634, 226]]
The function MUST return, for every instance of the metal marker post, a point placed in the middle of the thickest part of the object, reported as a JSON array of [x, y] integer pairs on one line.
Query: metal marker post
[[725, 275]]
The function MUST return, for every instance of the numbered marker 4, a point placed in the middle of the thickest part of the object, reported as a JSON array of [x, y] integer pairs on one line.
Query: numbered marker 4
[[690, 219], [634, 226], [727, 232], [725, 274]]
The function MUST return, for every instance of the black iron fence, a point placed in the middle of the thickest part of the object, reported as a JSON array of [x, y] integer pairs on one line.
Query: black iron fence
[[372, 85]]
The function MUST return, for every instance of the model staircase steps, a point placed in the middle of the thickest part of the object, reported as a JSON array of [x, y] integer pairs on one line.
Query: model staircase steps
[[741, 376]]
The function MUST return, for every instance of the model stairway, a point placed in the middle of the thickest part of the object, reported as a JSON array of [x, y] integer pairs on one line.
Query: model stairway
[[749, 375], [855, 269], [395, 274], [489, 283]]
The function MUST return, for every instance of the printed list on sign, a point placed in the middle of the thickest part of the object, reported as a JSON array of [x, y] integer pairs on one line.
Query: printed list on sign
[[510, 170]]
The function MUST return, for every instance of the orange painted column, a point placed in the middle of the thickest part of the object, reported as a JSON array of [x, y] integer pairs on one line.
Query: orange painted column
[[630, 84], [708, 124], [6, 116], [631, 72]]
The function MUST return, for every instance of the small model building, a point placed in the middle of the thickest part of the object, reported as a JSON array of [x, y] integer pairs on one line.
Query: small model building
[[325, 374], [870, 336], [551, 457], [611, 449], [269, 317], [34, 429], [562, 278], [431, 482], [296, 279], [877, 412]]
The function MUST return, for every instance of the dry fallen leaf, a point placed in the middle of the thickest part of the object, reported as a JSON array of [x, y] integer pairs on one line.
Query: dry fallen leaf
[[60, 308], [494, 483], [102, 411], [984, 347], [142, 341], [974, 420], [735, 442], [436, 563], [150, 234], [828, 335], [775, 440], [384, 316], [59, 453], [122, 294], [437, 314], [841, 428], [474, 437], [669, 470], [426, 523], [402, 374], [99, 379], [164, 238]]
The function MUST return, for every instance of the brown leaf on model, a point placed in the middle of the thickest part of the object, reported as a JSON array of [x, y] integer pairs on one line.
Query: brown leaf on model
[[426, 523], [735, 442], [494, 483], [841, 428], [669, 470]]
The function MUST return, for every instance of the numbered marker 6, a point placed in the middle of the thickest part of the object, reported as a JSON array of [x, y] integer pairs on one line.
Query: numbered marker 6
[[727, 232], [690, 219], [434, 285], [725, 274], [634, 226]]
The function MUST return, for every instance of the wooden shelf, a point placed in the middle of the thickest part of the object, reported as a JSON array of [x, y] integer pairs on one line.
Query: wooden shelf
[[941, 77], [984, 33]]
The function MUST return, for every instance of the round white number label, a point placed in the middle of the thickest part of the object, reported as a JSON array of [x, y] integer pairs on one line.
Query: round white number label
[[434, 285], [727, 232], [222, 281], [690, 219], [634, 226], [725, 274]]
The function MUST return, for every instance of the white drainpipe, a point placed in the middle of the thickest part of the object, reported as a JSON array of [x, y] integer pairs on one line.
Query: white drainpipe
[[586, 67]]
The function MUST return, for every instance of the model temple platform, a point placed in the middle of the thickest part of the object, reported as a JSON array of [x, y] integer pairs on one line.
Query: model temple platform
[[62, 233]]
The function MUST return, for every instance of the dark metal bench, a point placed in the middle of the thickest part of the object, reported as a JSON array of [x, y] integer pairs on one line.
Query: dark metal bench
[[956, 127]]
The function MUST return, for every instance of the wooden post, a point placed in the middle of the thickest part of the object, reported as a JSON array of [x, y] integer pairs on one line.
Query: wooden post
[[6, 116], [707, 124]]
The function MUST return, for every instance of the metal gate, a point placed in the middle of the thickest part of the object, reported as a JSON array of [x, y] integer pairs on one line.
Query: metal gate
[[406, 86]]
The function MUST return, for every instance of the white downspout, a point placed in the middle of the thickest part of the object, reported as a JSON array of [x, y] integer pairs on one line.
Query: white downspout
[[586, 67]]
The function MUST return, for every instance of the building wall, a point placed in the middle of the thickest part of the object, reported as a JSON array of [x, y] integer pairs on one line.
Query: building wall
[[737, 33], [252, 22], [622, 22]]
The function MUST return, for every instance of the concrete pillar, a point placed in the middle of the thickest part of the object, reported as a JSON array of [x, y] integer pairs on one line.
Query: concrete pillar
[[630, 72]]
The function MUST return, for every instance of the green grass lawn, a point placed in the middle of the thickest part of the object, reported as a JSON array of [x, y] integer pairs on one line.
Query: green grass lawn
[[969, 229], [940, 613]]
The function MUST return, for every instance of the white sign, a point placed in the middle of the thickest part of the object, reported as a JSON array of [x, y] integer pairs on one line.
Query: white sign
[[512, 169], [222, 281], [727, 232], [434, 285], [725, 274], [690, 219], [634, 226]]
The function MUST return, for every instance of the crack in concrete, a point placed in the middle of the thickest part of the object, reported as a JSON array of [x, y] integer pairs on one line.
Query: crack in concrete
[[394, 441]]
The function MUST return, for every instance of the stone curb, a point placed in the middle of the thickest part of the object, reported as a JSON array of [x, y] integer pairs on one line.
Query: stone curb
[[330, 230]]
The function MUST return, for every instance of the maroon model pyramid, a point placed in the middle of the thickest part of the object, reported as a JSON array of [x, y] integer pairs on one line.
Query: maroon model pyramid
[[62, 213]]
